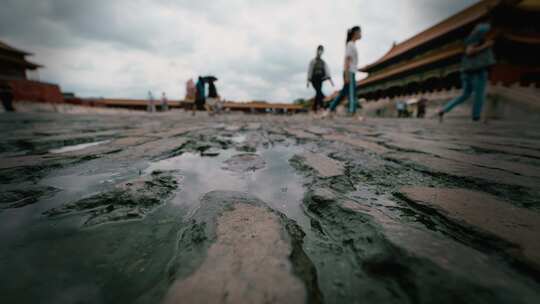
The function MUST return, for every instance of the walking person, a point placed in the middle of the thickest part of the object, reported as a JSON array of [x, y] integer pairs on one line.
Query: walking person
[[350, 67], [151, 106], [421, 107], [164, 102], [474, 71], [191, 92], [213, 96], [200, 97], [400, 106], [318, 72], [6, 95]]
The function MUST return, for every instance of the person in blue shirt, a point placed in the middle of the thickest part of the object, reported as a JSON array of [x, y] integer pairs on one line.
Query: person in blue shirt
[[474, 71]]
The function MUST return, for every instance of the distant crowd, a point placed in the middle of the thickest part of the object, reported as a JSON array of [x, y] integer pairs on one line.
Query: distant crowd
[[476, 61]]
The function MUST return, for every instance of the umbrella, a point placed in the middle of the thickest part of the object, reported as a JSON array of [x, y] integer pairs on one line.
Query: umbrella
[[210, 78]]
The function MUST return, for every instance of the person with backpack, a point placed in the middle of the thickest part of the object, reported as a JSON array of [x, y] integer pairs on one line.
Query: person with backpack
[[318, 72], [350, 67], [474, 71]]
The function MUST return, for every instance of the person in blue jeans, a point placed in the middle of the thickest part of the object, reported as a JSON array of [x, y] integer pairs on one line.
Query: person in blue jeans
[[474, 71], [349, 74]]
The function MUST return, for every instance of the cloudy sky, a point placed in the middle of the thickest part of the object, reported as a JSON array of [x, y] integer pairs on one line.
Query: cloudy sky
[[259, 49]]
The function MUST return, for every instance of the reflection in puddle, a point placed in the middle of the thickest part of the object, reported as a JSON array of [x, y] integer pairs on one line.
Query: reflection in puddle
[[77, 147], [277, 184], [239, 138]]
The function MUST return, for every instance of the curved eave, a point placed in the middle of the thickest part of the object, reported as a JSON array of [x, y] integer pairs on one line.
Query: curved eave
[[33, 66], [520, 38], [452, 23], [6, 47], [20, 62], [455, 51], [530, 5]]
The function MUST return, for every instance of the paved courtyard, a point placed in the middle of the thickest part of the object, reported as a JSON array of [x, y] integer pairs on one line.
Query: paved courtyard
[[139, 208]]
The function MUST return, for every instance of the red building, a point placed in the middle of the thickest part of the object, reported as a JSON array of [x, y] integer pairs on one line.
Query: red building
[[429, 62], [14, 68]]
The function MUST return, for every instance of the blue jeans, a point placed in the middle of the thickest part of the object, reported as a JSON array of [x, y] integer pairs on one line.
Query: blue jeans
[[474, 82], [349, 89]]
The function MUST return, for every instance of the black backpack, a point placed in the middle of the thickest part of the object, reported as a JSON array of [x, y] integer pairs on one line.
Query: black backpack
[[319, 71]]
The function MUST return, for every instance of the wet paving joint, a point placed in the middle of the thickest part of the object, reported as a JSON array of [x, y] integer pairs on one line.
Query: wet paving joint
[[435, 221], [18, 198], [514, 194], [469, 209], [129, 201], [28, 173]]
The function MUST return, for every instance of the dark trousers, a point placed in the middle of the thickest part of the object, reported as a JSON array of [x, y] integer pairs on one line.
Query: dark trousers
[[7, 103], [319, 96], [199, 104]]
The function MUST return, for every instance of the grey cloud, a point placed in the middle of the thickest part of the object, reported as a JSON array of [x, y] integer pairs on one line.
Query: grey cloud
[[136, 25], [65, 23]]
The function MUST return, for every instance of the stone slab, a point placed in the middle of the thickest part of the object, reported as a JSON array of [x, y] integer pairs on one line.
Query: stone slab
[[485, 213], [300, 134], [456, 168], [247, 263], [324, 165], [358, 143]]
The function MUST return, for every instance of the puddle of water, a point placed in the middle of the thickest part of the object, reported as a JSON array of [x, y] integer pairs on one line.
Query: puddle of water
[[72, 187], [277, 183], [77, 147], [239, 138]]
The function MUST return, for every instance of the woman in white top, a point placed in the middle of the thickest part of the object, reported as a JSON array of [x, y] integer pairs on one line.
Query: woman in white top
[[349, 73]]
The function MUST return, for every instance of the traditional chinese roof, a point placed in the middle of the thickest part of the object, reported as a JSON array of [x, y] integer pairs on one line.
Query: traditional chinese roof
[[419, 62], [532, 5], [467, 16], [6, 47], [20, 62], [16, 56]]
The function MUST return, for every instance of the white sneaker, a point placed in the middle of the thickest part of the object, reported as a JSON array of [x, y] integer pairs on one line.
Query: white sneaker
[[325, 114]]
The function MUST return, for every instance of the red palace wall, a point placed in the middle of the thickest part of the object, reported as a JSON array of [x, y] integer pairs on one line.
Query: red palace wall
[[36, 91], [509, 74]]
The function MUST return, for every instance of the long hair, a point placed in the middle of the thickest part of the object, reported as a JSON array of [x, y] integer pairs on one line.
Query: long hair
[[350, 33]]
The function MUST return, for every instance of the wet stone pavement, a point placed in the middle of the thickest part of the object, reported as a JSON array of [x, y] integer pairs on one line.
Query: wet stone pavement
[[267, 209]]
